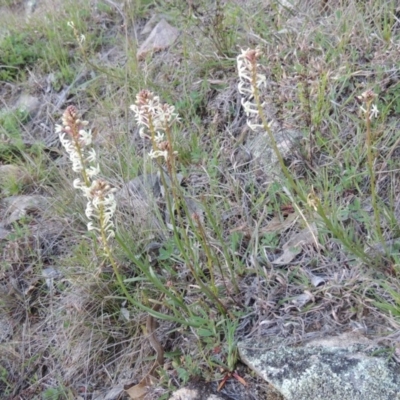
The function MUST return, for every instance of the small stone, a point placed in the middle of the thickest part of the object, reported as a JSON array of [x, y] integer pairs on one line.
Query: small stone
[[13, 173], [17, 207], [150, 24], [201, 392], [160, 38], [29, 104]]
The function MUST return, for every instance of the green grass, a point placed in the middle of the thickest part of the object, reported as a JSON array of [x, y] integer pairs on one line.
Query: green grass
[[19, 50], [204, 249]]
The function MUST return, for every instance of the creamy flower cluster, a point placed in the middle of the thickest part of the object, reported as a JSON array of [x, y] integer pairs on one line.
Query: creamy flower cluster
[[250, 81], [154, 118], [371, 109], [100, 208], [101, 202], [77, 142]]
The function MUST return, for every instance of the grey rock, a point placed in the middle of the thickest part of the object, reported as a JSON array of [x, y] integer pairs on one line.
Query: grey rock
[[29, 104], [193, 207], [18, 207], [200, 392], [261, 149], [30, 7], [112, 394], [151, 23], [161, 37], [143, 187], [139, 193], [138, 197], [13, 173], [346, 367], [45, 230]]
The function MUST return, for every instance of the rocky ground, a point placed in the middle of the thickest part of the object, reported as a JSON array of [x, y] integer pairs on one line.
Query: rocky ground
[[286, 267]]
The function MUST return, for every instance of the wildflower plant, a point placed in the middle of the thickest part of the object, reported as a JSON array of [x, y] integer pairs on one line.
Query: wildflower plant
[[101, 207], [101, 203], [155, 120], [77, 141], [80, 38], [250, 84], [370, 111]]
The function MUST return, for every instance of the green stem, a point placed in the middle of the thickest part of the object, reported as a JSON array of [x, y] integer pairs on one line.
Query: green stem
[[348, 243], [371, 158], [207, 251]]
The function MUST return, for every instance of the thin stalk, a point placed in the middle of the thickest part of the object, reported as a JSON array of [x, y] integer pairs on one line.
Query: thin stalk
[[371, 159], [206, 249], [179, 201]]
